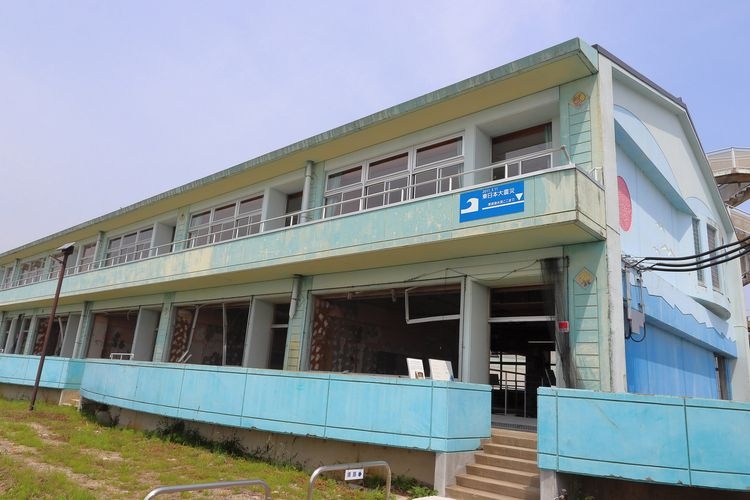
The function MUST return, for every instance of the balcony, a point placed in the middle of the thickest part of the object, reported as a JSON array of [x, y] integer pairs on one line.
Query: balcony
[[559, 206]]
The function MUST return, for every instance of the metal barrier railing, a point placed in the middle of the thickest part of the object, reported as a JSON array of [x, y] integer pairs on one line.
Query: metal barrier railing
[[357, 465], [163, 490]]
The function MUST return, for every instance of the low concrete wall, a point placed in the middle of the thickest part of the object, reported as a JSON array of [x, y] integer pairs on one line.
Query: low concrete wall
[[57, 373], [416, 414], [658, 439]]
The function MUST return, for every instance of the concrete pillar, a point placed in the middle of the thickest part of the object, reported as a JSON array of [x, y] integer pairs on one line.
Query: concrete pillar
[[298, 334], [146, 329], [32, 334], [475, 344], [258, 340], [69, 337], [164, 333], [10, 337], [82, 333]]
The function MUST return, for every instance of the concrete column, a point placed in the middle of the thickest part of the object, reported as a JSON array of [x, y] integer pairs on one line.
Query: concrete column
[[475, 344], [3, 330], [298, 334], [182, 228], [69, 338], [604, 152], [146, 329], [317, 191], [258, 340], [32, 334], [164, 333], [11, 334], [82, 333]]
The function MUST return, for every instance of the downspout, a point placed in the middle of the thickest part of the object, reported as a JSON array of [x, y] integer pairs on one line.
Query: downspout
[[304, 217]]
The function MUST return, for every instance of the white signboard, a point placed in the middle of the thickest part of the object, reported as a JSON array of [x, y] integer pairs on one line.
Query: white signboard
[[441, 369], [416, 368], [354, 474]]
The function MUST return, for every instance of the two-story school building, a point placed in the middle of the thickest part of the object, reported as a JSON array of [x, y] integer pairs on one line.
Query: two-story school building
[[518, 224]]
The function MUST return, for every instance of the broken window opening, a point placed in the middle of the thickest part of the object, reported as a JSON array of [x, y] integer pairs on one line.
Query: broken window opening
[[209, 334], [54, 346], [369, 333], [112, 333]]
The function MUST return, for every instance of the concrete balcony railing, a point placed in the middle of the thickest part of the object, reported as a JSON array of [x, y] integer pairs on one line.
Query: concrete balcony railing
[[559, 206]]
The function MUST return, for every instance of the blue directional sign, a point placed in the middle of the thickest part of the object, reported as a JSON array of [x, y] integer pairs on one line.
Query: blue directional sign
[[492, 201]]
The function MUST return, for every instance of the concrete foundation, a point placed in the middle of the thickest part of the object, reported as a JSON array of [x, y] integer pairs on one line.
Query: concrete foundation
[[309, 452]]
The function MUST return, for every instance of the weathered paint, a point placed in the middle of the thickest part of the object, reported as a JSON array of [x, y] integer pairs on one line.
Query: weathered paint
[[57, 373], [680, 441], [552, 199], [391, 411]]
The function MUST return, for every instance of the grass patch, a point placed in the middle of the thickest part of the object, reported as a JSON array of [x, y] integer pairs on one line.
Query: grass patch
[[70, 456]]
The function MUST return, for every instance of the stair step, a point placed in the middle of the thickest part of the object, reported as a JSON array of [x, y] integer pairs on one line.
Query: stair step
[[506, 462], [524, 478], [495, 486], [509, 451], [514, 438], [464, 493]]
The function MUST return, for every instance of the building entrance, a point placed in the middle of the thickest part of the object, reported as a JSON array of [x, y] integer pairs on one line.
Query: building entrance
[[522, 348]]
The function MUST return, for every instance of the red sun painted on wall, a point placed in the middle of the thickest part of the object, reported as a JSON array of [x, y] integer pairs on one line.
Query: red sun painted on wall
[[626, 205]]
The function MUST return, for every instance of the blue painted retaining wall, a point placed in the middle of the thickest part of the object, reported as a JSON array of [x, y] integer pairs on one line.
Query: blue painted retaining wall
[[420, 414], [679, 441], [58, 373]]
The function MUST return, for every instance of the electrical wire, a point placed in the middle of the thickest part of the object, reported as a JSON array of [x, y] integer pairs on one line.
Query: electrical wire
[[684, 269], [707, 252]]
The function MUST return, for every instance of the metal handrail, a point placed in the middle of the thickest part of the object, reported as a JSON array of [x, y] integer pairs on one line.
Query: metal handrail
[[163, 490], [357, 465], [306, 216]]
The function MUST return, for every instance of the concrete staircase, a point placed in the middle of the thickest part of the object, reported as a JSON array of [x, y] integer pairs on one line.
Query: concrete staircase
[[505, 469]]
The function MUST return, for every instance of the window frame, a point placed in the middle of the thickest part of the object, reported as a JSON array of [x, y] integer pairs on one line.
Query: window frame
[[408, 192], [228, 228], [716, 279], [138, 250]]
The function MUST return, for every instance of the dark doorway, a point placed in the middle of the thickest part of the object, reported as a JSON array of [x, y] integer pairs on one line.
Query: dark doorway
[[522, 348]]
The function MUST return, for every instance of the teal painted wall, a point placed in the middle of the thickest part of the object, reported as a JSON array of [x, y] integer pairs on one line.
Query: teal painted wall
[[57, 373], [587, 307], [671, 440], [575, 122], [420, 414]]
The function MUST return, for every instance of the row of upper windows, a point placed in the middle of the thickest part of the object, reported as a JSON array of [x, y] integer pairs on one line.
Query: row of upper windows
[[425, 169]]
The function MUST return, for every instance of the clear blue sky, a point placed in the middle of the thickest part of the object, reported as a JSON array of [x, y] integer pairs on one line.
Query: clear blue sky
[[103, 104]]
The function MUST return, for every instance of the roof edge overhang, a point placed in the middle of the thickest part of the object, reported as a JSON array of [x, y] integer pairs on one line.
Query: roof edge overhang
[[562, 63]]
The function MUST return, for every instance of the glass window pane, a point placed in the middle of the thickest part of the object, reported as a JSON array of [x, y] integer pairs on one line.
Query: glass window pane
[[200, 219], [225, 212], [145, 235], [375, 196], [521, 142], [397, 189], [424, 183], [345, 178], [450, 177], [439, 151], [332, 206], [388, 166], [251, 205], [536, 164]]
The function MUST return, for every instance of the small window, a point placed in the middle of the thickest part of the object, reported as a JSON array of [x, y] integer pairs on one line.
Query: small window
[[439, 152], [388, 166], [713, 242], [721, 377], [698, 249], [86, 260], [293, 207]]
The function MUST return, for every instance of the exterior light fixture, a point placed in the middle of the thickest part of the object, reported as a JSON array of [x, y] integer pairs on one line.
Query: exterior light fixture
[[65, 250]]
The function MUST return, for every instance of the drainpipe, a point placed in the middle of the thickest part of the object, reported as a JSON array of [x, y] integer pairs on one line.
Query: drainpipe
[[306, 191]]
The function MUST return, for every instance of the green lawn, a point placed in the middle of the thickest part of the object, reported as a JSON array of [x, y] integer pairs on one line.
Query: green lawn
[[56, 452]]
